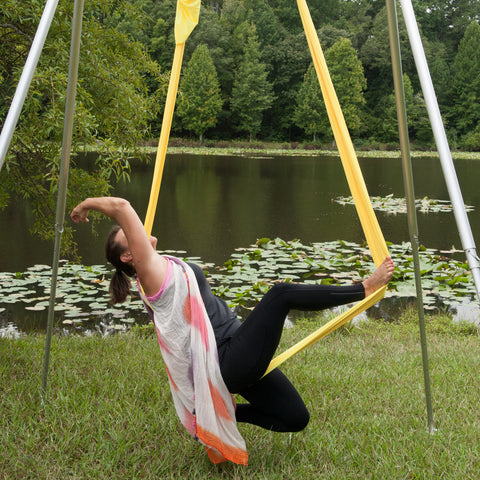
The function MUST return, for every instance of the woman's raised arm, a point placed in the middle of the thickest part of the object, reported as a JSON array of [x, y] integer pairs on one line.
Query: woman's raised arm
[[150, 267]]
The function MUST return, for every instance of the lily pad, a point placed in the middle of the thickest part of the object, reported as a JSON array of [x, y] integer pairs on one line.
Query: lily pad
[[128, 320]]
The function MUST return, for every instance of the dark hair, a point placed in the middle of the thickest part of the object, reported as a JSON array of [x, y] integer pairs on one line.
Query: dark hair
[[120, 284]]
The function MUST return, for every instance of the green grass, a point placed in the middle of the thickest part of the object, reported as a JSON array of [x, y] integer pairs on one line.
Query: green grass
[[109, 413]]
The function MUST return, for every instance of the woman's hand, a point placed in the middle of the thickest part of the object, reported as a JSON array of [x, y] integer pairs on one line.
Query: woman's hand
[[80, 213]]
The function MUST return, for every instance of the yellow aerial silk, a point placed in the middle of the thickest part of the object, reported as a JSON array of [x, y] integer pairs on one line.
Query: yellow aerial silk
[[371, 229], [186, 19]]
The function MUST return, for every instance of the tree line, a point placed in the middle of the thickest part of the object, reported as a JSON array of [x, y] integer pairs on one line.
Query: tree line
[[246, 74], [256, 59]]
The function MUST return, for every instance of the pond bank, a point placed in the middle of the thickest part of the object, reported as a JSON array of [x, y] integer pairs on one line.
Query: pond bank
[[272, 150], [241, 148]]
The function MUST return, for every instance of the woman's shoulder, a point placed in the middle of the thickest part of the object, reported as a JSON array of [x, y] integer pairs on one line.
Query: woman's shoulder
[[197, 269]]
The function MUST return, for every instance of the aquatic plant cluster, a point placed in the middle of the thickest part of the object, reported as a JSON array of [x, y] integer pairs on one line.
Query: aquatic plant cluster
[[244, 278], [392, 205], [82, 298], [83, 301]]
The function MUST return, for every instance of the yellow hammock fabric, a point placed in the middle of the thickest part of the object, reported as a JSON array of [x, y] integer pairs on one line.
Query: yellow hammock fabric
[[371, 229], [186, 19]]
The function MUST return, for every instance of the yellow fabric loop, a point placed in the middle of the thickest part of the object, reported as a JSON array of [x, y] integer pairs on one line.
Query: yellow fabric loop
[[353, 173], [186, 19], [327, 328], [371, 229]]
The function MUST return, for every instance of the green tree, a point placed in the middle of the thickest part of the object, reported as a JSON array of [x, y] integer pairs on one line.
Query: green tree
[[201, 101], [356, 19], [446, 21], [348, 79], [419, 128], [211, 32], [152, 25], [440, 66], [252, 92], [309, 110], [113, 105], [376, 59], [322, 12], [290, 60], [346, 72], [466, 81]]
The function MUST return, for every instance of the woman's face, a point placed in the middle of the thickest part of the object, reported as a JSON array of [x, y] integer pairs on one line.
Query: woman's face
[[121, 239]]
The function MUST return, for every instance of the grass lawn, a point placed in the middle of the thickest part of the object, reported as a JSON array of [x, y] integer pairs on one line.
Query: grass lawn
[[109, 413]]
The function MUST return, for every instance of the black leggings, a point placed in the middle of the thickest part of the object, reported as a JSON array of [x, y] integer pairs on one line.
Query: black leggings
[[273, 402]]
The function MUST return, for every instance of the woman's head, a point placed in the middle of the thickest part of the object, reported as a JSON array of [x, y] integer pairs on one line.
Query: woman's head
[[115, 250]]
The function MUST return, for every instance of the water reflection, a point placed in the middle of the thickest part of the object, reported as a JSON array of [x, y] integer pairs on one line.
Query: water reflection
[[210, 205]]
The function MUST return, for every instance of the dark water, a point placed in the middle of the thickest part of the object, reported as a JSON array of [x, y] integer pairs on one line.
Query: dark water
[[210, 205]]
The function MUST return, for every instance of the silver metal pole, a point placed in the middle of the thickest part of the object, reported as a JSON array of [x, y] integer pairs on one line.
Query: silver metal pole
[[26, 78], [410, 194], [449, 173], [63, 177]]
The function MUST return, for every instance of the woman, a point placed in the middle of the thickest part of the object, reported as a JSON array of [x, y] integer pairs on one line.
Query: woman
[[189, 318]]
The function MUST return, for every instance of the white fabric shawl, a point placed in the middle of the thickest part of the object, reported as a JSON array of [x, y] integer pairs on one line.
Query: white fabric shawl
[[187, 343]]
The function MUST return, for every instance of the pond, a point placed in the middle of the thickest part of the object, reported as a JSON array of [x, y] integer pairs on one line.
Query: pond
[[211, 205]]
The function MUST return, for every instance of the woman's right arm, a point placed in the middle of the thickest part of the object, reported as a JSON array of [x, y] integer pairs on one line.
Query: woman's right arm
[[150, 267]]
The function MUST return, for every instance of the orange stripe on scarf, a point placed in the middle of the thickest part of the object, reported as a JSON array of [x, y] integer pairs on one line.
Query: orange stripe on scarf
[[218, 402], [224, 452]]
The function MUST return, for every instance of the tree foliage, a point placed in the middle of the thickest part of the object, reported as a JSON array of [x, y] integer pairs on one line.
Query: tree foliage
[[252, 92], [466, 81], [224, 28], [346, 72], [417, 116], [113, 104], [349, 81], [201, 100], [309, 111]]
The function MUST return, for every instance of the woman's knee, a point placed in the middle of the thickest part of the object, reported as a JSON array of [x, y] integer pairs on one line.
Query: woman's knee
[[282, 287], [279, 291], [299, 421]]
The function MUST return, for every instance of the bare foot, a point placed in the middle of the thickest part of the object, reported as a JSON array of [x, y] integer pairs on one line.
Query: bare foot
[[380, 277]]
